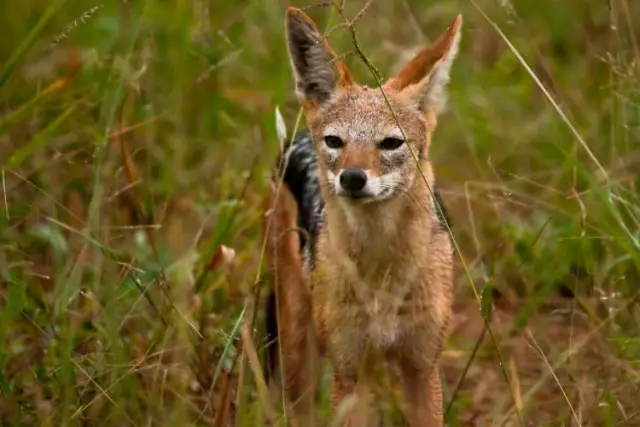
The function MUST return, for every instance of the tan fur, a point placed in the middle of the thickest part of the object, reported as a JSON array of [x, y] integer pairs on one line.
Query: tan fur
[[296, 334], [382, 290], [362, 156]]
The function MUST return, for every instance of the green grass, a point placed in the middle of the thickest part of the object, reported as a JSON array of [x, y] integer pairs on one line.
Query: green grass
[[122, 178]]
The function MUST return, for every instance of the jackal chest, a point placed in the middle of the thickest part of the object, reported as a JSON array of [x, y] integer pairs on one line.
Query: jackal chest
[[379, 319], [370, 313]]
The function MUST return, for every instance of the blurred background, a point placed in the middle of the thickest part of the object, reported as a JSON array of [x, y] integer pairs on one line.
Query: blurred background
[[135, 141]]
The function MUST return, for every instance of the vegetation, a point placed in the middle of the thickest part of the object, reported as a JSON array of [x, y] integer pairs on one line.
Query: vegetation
[[135, 137]]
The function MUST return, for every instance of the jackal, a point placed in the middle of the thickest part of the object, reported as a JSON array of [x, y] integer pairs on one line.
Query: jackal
[[358, 253]]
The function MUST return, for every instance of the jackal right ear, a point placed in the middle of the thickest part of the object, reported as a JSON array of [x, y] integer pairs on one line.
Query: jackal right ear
[[425, 77], [318, 71]]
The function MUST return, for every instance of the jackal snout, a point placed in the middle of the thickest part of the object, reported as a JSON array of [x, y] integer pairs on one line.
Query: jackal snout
[[367, 159]]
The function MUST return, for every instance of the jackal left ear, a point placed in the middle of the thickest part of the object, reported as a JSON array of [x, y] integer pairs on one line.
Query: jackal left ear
[[318, 71], [425, 77]]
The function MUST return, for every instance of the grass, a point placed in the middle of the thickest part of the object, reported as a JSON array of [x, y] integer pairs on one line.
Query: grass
[[134, 141]]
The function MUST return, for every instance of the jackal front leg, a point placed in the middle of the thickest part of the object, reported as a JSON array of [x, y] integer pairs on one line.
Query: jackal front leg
[[423, 395], [350, 399]]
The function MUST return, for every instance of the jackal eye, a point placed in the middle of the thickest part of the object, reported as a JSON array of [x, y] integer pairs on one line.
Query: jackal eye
[[390, 143], [333, 141]]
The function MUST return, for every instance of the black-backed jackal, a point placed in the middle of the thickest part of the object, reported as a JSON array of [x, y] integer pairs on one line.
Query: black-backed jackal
[[368, 280]]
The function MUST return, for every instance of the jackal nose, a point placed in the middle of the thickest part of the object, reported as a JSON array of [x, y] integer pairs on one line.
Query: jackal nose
[[353, 179]]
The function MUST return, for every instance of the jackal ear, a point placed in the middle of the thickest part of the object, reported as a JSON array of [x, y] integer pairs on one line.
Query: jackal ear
[[317, 70], [424, 79]]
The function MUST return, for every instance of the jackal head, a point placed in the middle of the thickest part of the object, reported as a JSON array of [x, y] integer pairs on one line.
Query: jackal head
[[366, 140]]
